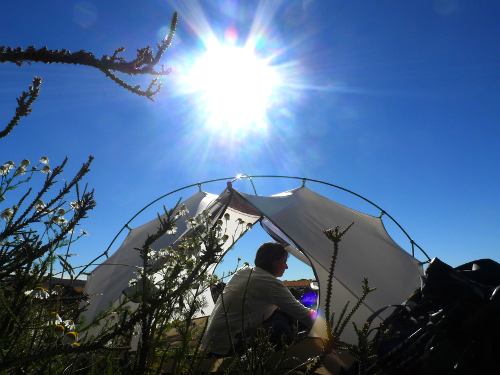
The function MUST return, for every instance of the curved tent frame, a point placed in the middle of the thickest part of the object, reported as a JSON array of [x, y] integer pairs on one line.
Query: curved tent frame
[[257, 203], [250, 178]]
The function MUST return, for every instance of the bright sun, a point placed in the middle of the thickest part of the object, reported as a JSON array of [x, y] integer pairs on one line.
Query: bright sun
[[236, 88]]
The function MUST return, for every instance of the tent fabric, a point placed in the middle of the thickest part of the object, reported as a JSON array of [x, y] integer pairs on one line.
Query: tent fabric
[[366, 250], [240, 216], [297, 218], [108, 280]]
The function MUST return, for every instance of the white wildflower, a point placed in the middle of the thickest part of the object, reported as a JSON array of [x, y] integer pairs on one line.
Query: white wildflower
[[20, 171], [4, 170], [25, 163], [7, 214], [183, 211], [69, 324], [162, 253], [39, 293], [46, 169], [172, 230], [54, 317], [57, 290], [39, 205], [44, 160], [191, 223], [153, 255], [61, 220], [58, 219], [75, 205]]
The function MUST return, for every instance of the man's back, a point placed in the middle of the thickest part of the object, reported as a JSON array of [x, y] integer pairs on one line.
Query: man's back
[[250, 297]]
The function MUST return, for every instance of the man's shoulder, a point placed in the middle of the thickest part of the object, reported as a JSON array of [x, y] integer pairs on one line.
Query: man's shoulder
[[256, 274], [242, 273], [246, 270], [265, 276]]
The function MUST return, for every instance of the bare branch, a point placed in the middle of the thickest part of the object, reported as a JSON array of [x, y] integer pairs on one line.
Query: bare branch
[[24, 103], [144, 63]]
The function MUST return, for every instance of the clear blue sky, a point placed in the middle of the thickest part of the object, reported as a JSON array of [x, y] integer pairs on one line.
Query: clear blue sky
[[396, 100]]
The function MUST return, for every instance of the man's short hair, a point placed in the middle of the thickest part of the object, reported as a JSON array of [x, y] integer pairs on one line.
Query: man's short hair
[[268, 253]]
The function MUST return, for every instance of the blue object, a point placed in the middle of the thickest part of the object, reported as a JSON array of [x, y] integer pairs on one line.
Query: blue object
[[309, 299]]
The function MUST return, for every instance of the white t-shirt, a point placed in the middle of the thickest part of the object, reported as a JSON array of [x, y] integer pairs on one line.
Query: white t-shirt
[[254, 294]]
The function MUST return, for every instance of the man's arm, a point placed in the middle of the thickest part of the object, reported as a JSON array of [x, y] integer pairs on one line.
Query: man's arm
[[284, 299]]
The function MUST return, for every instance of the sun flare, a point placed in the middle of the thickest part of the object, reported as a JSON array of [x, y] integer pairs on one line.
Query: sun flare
[[241, 80], [235, 87]]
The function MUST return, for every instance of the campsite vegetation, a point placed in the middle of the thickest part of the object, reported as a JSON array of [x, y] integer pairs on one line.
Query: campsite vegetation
[[152, 330]]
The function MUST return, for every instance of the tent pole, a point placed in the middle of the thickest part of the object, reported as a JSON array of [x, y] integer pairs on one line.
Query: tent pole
[[250, 178]]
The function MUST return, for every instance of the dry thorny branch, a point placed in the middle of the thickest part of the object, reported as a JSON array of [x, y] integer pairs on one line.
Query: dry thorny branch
[[145, 62], [24, 103]]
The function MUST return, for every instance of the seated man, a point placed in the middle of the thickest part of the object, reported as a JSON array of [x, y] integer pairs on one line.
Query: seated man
[[250, 300]]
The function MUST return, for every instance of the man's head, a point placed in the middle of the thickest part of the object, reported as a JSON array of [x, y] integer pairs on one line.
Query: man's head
[[272, 257]]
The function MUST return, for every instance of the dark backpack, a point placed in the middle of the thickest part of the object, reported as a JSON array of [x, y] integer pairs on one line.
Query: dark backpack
[[451, 325]]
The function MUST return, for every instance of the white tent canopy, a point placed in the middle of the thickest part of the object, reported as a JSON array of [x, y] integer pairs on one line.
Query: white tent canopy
[[298, 218], [107, 282]]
